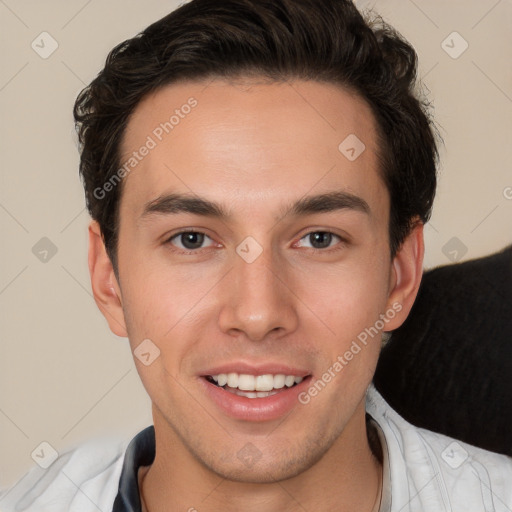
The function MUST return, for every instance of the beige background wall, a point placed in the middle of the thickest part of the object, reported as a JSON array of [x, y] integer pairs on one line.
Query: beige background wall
[[63, 376]]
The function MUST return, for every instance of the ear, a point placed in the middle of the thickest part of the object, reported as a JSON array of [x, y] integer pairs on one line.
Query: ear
[[405, 278], [105, 287]]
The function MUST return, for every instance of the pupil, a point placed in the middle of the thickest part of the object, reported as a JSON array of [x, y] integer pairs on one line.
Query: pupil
[[320, 239], [192, 240]]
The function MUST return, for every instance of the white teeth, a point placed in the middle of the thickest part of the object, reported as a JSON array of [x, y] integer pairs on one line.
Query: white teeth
[[261, 383], [289, 381], [251, 394], [264, 383], [279, 381], [246, 383]]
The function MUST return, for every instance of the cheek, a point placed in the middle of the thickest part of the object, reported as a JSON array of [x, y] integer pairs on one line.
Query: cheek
[[165, 304], [158, 309], [348, 298]]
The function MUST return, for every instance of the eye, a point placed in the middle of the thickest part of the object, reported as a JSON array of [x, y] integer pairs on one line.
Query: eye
[[190, 240], [319, 239]]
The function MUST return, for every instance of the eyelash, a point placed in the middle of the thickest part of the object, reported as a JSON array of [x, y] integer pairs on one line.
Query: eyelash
[[314, 250]]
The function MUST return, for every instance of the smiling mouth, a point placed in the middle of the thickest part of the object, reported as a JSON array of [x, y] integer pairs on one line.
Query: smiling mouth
[[254, 386]]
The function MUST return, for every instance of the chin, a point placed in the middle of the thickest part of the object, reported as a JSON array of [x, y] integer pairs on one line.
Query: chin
[[253, 466]]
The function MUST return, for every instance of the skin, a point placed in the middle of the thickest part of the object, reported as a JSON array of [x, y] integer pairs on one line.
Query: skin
[[256, 148]]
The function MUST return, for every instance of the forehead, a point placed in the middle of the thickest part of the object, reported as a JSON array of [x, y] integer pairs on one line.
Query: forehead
[[248, 142]]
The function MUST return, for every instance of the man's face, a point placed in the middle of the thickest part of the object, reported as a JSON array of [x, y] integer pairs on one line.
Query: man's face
[[267, 289]]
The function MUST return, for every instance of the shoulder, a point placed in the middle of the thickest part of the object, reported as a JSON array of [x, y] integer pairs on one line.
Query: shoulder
[[433, 472], [82, 479]]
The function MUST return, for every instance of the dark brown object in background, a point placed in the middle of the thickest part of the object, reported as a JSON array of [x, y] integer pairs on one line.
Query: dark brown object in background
[[449, 367]]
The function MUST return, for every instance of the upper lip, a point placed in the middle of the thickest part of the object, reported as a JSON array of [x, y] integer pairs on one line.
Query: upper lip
[[242, 367]]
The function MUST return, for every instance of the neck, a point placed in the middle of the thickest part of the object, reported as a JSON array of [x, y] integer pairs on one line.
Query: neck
[[347, 477]]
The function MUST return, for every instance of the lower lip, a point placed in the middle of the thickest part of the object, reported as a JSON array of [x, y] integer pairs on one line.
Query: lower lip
[[255, 409]]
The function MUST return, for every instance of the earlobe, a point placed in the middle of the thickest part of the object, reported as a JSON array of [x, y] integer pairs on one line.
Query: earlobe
[[105, 287], [406, 276]]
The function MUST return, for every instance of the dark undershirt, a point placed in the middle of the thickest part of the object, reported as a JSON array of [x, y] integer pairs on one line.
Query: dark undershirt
[[140, 452]]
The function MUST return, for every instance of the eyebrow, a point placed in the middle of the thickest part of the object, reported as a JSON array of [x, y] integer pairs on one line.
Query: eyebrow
[[172, 204]]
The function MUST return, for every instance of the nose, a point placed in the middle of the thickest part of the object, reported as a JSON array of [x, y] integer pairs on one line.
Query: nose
[[257, 299]]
